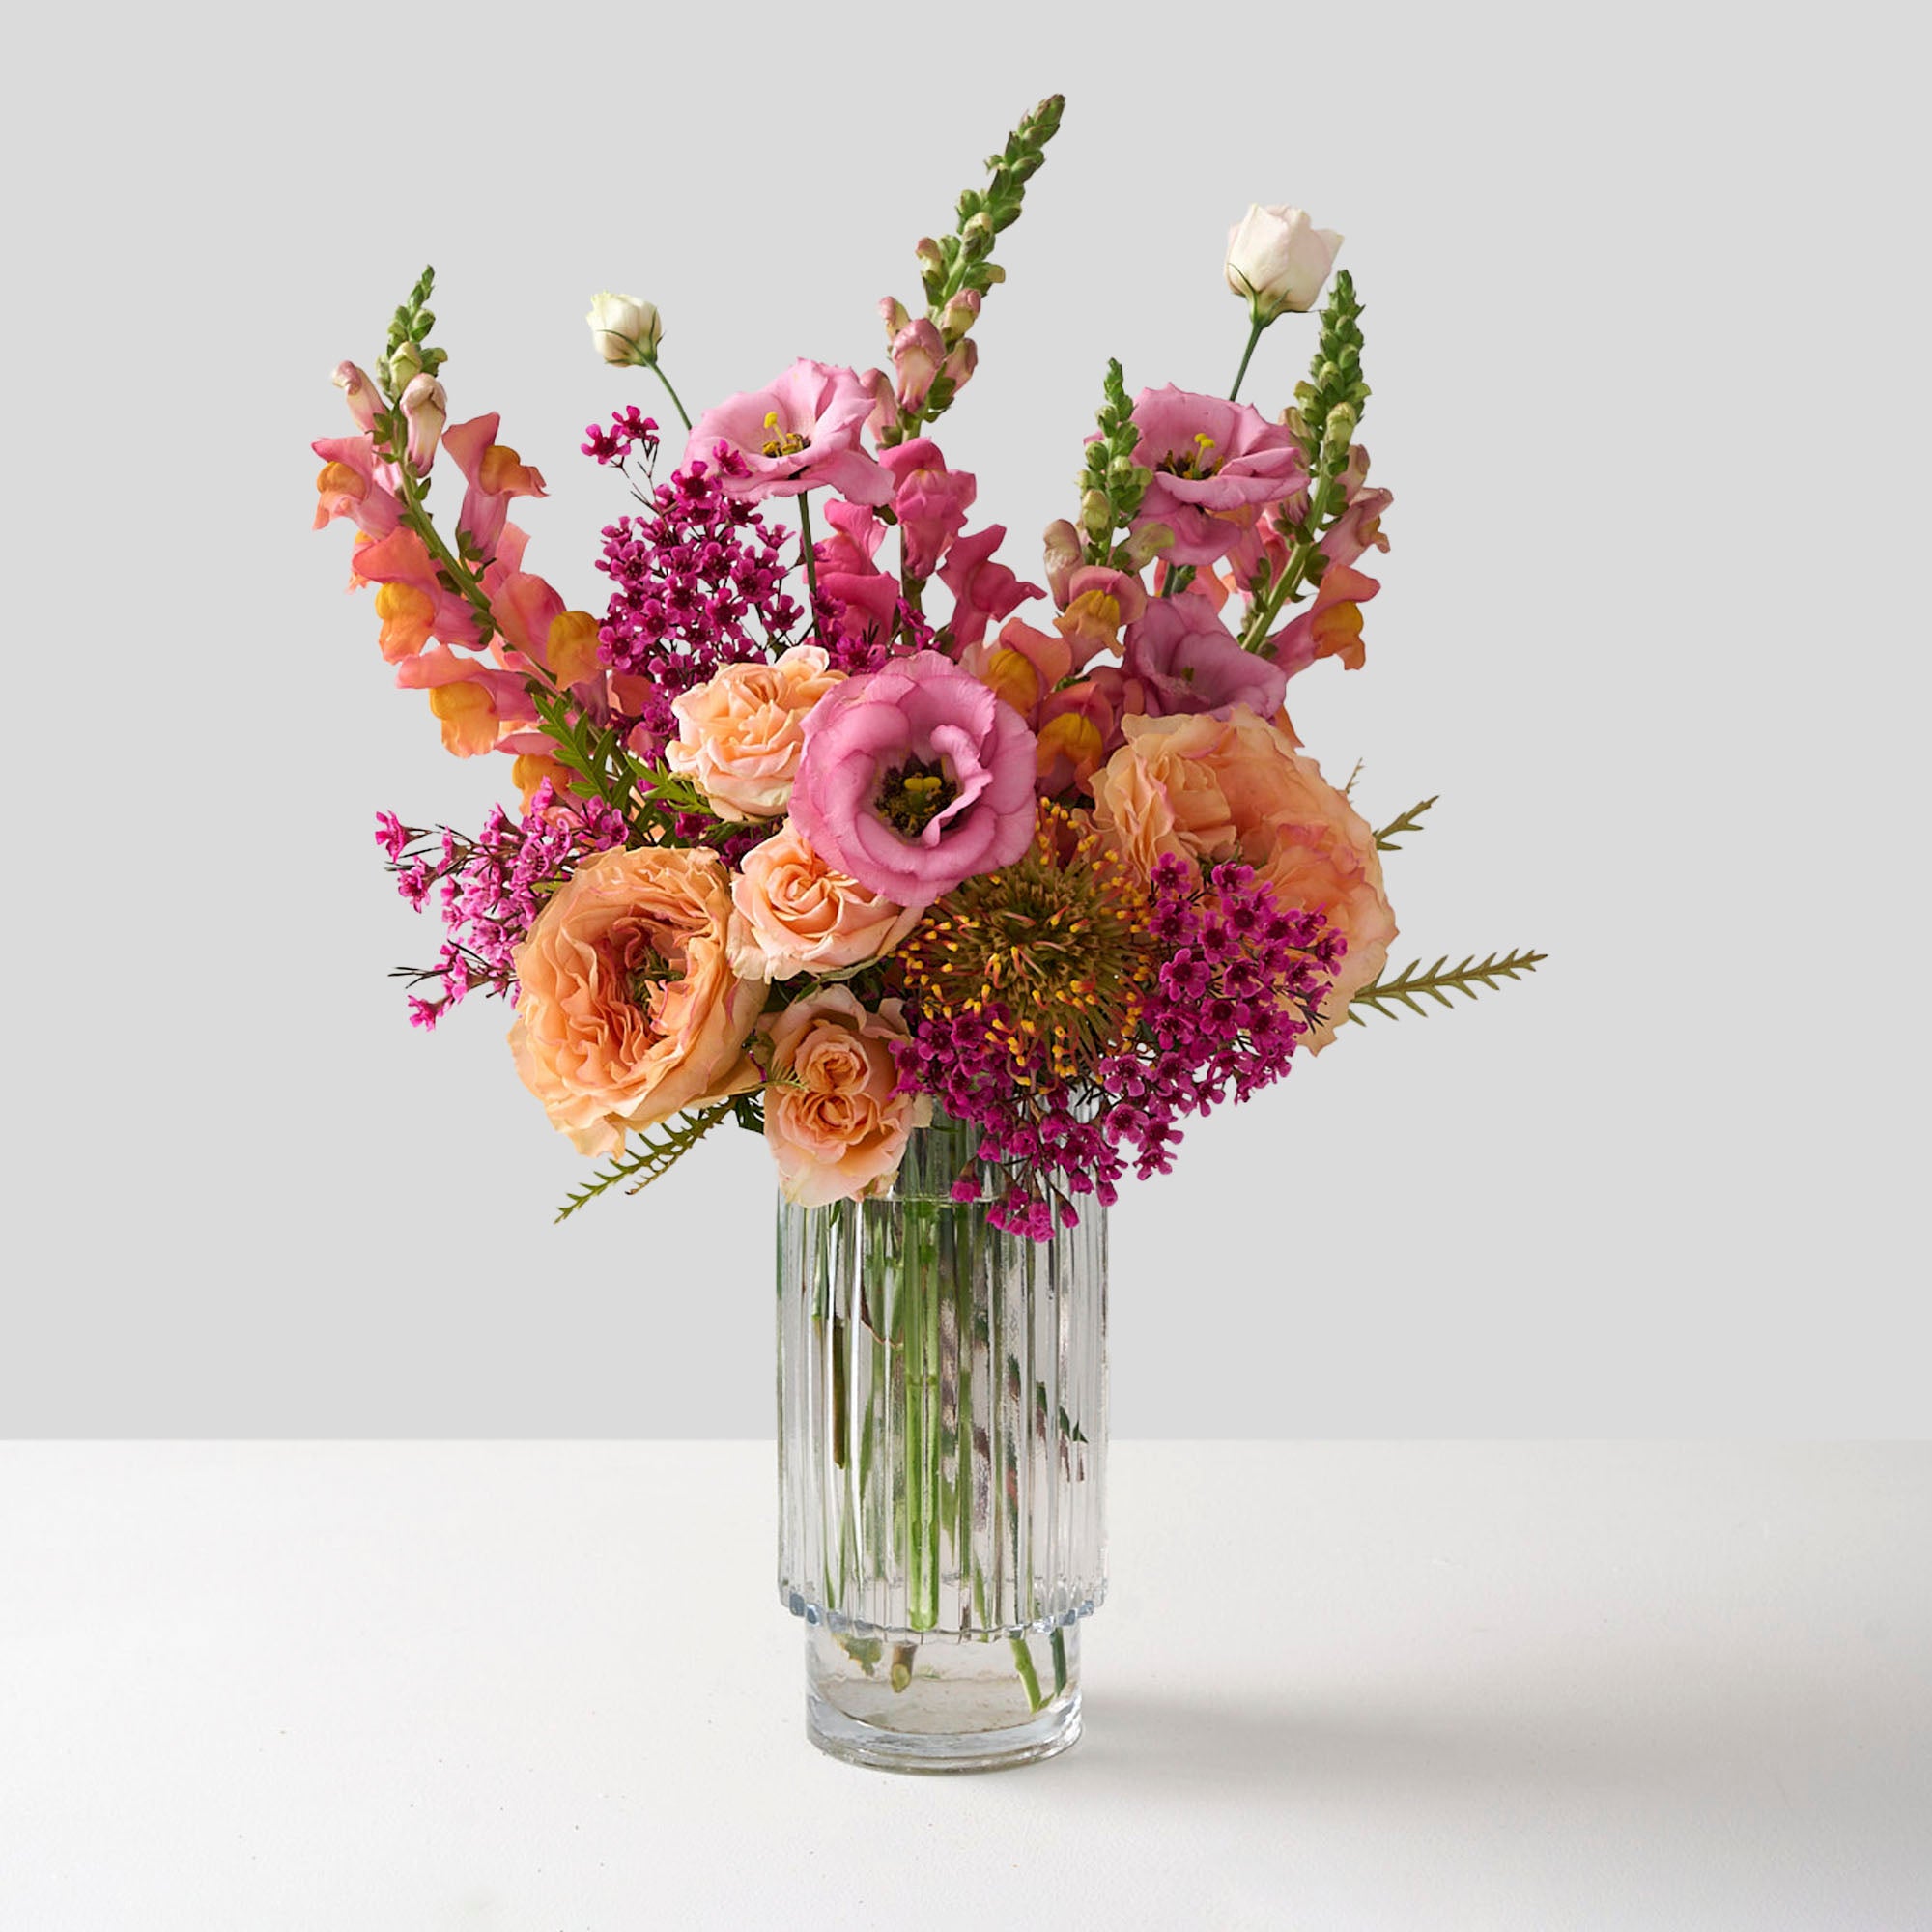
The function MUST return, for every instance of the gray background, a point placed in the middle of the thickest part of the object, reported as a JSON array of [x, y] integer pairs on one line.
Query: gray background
[[1641, 284]]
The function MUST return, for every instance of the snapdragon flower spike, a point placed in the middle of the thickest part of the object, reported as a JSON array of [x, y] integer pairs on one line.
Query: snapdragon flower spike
[[698, 582], [491, 887], [1234, 987]]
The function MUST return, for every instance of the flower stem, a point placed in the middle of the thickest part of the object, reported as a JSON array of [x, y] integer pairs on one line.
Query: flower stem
[[657, 369], [807, 546], [1029, 1676], [1247, 354]]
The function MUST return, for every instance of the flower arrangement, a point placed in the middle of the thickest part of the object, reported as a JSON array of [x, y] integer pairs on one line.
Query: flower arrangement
[[830, 819]]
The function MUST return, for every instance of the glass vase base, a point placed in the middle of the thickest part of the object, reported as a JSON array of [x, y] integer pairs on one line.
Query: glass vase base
[[941, 1704]]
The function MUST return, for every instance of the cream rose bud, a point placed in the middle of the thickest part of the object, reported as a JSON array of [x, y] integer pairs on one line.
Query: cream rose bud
[[741, 733], [793, 913], [835, 1119], [1278, 260], [624, 328]]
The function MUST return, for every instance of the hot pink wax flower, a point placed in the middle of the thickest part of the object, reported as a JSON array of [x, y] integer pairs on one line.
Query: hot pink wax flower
[[1215, 466], [929, 501], [915, 777], [798, 433], [1182, 659]]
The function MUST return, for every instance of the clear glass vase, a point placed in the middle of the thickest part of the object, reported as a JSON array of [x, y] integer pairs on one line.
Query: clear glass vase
[[942, 1468]]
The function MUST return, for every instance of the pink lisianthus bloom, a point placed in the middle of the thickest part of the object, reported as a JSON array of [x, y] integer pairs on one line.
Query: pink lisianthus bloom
[[494, 474], [1183, 659], [915, 777], [929, 501], [835, 1119], [798, 433], [983, 592], [1216, 465]]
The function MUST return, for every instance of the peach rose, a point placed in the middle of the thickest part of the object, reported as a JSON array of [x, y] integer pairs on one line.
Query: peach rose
[[627, 1010], [837, 1127], [796, 914], [739, 735], [1208, 788]]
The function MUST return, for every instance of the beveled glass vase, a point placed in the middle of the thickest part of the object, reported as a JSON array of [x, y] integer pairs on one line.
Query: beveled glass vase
[[942, 1468]]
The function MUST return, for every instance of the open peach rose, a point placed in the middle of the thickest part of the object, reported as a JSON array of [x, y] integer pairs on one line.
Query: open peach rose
[[796, 914], [834, 1120], [739, 733], [1208, 788], [627, 1010]]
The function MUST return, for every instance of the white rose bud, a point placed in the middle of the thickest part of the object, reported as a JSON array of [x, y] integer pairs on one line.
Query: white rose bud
[[1278, 260], [426, 408], [624, 328]]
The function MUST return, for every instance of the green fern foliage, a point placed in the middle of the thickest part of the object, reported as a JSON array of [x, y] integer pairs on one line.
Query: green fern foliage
[[651, 1156], [1412, 985], [1410, 821]]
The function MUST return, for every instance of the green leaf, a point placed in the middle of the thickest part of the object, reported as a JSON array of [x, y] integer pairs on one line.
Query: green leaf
[[656, 1152], [1412, 985], [1410, 821]]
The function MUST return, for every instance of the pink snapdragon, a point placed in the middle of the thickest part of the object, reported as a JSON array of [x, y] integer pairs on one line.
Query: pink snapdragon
[[983, 592], [915, 777], [495, 472], [800, 431], [929, 501]]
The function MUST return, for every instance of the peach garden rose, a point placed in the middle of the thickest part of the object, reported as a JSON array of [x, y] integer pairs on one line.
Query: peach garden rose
[[796, 914], [739, 733], [835, 1119], [628, 1010], [1205, 787]]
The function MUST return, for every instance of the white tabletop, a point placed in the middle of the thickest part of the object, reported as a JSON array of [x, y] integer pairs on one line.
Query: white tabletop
[[547, 1687]]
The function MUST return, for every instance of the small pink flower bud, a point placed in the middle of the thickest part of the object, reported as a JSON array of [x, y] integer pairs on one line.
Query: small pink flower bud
[[426, 408], [359, 392]]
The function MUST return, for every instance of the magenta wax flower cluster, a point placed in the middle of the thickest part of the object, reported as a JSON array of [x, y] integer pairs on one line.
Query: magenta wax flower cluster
[[837, 808]]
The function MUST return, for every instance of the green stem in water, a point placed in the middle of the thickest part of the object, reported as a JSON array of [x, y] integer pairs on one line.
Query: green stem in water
[[1029, 1676], [657, 370], [1058, 1646], [1247, 356]]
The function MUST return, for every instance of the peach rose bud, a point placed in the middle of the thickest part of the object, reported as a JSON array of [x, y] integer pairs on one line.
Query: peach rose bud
[[795, 914], [740, 735], [835, 1119]]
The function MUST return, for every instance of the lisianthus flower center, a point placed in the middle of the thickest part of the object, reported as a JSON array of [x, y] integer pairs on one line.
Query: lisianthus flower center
[[780, 441], [914, 795], [1192, 463]]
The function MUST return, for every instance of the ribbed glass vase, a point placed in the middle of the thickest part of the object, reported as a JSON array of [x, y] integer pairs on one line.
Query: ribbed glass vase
[[942, 1468]]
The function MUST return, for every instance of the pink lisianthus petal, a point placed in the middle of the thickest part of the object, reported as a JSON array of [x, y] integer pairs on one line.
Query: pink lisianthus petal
[[864, 733], [1215, 465], [800, 431]]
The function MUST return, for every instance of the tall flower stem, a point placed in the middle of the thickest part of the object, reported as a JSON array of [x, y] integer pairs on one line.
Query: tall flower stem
[[657, 369], [807, 546], [1247, 356]]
